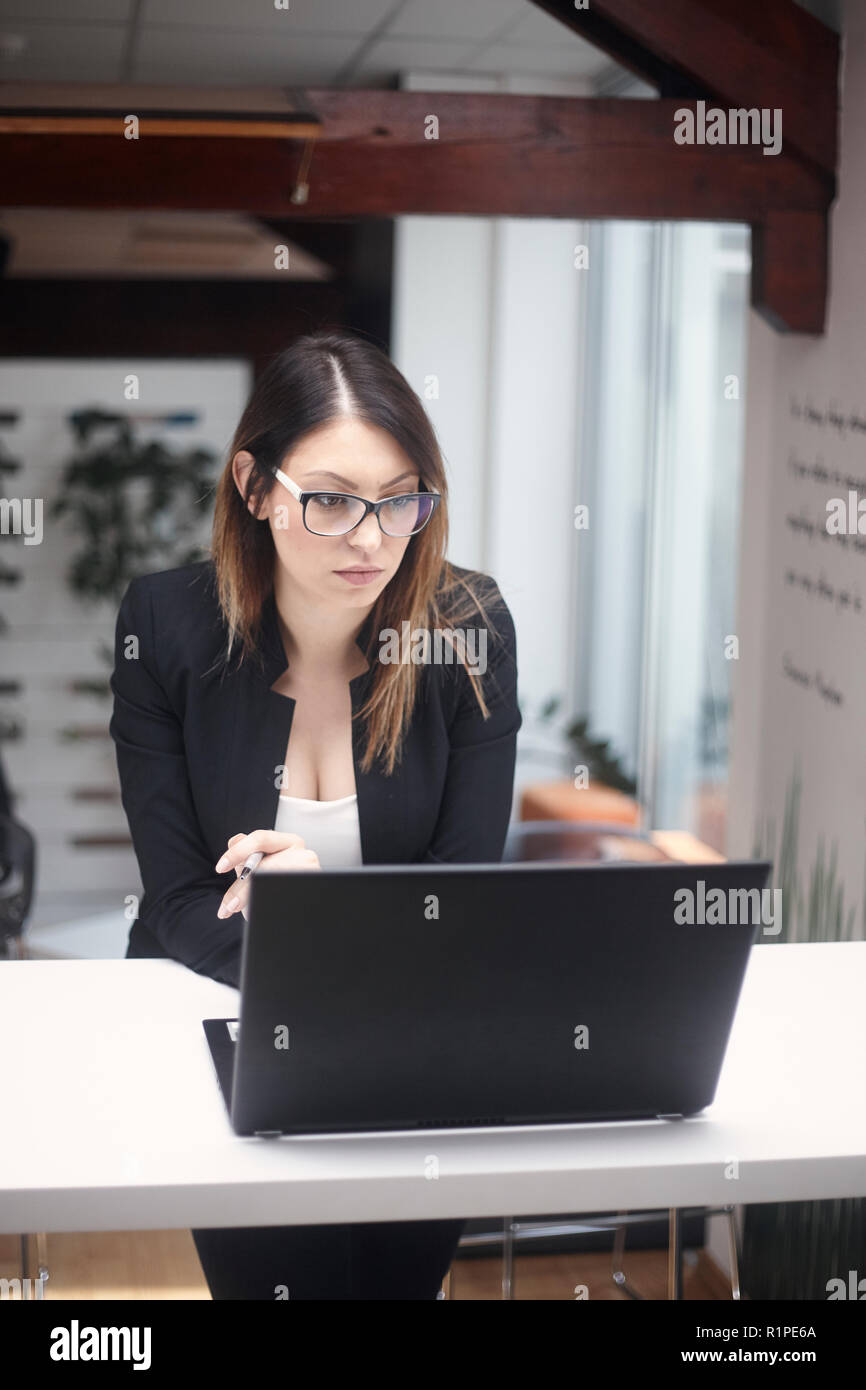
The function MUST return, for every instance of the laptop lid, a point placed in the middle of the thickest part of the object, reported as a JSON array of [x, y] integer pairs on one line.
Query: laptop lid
[[419, 996]]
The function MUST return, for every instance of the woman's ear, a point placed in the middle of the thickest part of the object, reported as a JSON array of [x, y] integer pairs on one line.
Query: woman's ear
[[241, 465]]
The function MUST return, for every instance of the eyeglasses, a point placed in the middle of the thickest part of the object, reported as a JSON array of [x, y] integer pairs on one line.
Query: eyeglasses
[[337, 513]]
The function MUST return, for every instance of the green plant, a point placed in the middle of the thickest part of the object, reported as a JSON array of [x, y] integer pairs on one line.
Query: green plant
[[135, 506], [592, 753], [820, 914], [791, 1249]]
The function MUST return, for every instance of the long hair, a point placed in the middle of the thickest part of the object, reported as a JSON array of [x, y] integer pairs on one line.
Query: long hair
[[324, 376]]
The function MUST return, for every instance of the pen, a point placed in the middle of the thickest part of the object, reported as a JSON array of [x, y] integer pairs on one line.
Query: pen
[[252, 863]]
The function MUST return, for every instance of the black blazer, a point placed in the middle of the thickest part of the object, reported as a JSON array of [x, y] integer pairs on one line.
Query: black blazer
[[199, 750]]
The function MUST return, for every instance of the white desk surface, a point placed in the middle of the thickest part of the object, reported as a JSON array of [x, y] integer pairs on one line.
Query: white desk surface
[[111, 1117]]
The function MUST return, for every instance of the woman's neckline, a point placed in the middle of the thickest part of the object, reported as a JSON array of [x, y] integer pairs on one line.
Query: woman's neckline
[[310, 801]]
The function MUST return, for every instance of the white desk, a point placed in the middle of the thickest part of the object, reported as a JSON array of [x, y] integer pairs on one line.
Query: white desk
[[111, 1117]]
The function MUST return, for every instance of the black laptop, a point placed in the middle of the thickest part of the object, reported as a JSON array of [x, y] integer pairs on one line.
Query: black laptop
[[414, 997]]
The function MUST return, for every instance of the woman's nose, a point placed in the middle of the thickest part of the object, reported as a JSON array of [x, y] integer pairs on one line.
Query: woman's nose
[[368, 535]]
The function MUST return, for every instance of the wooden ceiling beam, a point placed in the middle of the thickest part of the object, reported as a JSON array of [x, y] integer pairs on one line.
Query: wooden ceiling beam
[[742, 53], [495, 155], [782, 244]]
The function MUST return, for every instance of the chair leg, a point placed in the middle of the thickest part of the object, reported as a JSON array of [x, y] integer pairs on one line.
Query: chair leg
[[507, 1257], [675, 1255], [618, 1260], [41, 1263], [733, 1252], [34, 1288]]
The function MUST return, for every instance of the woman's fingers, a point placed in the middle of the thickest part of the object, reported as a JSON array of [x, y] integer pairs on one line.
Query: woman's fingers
[[232, 839], [240, 847], [293, 857], [235, 899], [290, 859]]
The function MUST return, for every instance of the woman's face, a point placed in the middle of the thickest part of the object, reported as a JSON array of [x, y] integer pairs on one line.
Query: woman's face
[[346, 455]]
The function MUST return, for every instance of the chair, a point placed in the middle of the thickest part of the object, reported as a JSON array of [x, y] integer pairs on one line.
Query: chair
[[17, 877], [579, 842], [17, 870], [17, 873]]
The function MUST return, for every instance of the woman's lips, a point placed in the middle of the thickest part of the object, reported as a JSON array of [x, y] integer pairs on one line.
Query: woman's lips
[[359, 576]]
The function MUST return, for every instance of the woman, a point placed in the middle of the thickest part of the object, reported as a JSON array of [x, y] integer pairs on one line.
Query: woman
[[258, 706]]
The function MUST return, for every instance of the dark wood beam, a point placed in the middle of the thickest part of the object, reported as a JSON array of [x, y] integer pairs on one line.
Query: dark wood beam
[[496, 155], [742, 53], [782, 244]]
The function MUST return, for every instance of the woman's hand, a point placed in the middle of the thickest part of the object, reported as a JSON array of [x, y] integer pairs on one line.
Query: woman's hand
[[281, 851]]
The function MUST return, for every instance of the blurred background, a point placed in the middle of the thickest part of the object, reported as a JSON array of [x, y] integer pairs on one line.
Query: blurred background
[[564, 363], [621, 343]]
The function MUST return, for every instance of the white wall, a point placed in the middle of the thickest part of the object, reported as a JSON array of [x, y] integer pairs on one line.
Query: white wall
[[777, 722], [443, 303], [491, 306], [53, 638], [749, 681], [776, 719]]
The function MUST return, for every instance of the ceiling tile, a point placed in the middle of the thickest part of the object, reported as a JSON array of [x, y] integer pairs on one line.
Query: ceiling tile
[[569, 59], [166, 53], [56, 52], [388, 57], [303, 16], [537, 28], [455, 19], [68, 11]]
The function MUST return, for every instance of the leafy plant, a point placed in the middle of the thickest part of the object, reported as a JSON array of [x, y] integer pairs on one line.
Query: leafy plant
[[820, 914], [791, 1249], [592, 753], [136, 506]]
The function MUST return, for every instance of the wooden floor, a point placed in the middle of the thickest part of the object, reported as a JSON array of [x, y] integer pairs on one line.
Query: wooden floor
[[164, 1264], [556, 1277]]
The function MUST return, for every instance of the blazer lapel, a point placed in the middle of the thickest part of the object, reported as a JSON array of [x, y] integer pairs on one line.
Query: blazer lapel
[[262, 723], [261, 730], [382, 812]]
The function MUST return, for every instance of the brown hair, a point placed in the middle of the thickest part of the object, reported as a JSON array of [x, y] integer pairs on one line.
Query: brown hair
[[321, 377]]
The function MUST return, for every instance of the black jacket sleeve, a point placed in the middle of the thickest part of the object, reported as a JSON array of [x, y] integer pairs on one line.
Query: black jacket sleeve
[[479, 786], [182, 889]]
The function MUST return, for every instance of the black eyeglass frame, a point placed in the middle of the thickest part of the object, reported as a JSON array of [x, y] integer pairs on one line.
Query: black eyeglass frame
[[374, 507]]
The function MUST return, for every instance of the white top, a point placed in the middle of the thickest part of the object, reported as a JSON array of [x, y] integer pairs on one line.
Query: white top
[[331, 828], [123, 1127]]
